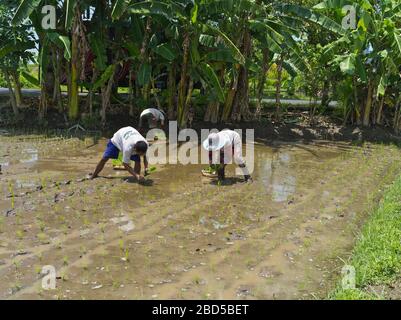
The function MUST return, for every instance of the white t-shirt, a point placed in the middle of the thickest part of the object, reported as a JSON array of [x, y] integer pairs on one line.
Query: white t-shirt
[[125, 140], [157, 114], [235, 142]]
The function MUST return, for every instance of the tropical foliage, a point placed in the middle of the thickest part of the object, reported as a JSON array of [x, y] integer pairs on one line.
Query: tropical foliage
[[219, 51]]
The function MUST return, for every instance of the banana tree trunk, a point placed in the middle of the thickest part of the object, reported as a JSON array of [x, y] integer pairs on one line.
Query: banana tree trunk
[[212, 112], [106, 97], [43, 101], [89, 99], [397, 116], [261, 83], [182, 87], [17, 87], [228, 105], [144, 56], [188, 103], [155, 91], [278, 86], [356, 102], [380, 111], [11, 93], [325, 94], [171, 90], [368, 105], [131, 94], [240, 109], [57, 97], [73, 108], [213, 109]]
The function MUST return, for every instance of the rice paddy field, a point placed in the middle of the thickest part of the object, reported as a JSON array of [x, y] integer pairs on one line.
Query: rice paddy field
[[179, 235]]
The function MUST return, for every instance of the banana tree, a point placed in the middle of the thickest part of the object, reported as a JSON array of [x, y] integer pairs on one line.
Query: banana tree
[[183, 50], [370, 54], [272, 25], [51, 44], [15, 43]]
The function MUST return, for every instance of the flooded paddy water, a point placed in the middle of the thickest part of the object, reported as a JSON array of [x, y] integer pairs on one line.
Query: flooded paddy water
[[180, 235]]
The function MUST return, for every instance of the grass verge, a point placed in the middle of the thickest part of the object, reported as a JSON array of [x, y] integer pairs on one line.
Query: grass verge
[[377, 253]]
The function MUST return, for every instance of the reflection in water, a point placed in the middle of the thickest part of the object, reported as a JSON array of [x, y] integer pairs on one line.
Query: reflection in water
[[275, 175], [29, 156], [124, 223], [24, 184]]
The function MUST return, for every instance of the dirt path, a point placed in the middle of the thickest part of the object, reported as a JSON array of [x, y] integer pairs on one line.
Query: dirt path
[[180, 236]]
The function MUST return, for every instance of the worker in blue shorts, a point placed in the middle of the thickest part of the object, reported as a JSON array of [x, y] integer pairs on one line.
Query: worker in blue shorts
[[132, 145]]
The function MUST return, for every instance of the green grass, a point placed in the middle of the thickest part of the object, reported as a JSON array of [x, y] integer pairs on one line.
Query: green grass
[[377, 253]]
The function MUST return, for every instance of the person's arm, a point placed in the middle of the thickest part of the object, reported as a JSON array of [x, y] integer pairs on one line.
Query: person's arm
[[127, 160], [145, 163], [132, 172]]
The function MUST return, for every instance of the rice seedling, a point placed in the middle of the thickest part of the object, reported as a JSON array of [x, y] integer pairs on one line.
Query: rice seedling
[[64, 276], [43, 238], [116, 285], [43, 183], [83, 250], [86, 221], [17, 265], [197, 280], [65, 229], [16, 287], [102, 227], [126, 255], [65, 261], [19, 234], [121, 244], [38, 269], [41, 225], [12, 195], [1, 224]]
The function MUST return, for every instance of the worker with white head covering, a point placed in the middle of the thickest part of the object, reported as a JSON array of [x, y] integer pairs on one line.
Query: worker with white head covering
[[153, 117], [229, 143]]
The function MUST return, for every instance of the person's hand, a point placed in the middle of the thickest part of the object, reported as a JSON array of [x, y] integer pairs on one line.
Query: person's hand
[[146, 172], [140, 178], [248, 179]]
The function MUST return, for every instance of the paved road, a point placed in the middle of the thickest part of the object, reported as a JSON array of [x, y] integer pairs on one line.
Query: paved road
[[26, 92], [291, 102], [29, 92], [296, 102]]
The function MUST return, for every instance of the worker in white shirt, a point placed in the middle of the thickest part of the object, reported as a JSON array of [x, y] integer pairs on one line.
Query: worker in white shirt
[[229, 143], [132, 145], [153, 117]]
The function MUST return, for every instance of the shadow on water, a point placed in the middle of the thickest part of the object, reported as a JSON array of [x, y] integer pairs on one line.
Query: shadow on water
[[227, 182], [146, 183]]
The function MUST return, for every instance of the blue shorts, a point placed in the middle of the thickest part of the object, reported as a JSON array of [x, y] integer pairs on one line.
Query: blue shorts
[[112, 152]]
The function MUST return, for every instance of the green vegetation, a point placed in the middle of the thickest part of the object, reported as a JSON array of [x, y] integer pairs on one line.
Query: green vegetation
[[377, 253], [212, 169], [206, 58]]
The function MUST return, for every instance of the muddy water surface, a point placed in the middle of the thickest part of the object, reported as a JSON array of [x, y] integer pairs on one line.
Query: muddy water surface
[[180, 235]]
